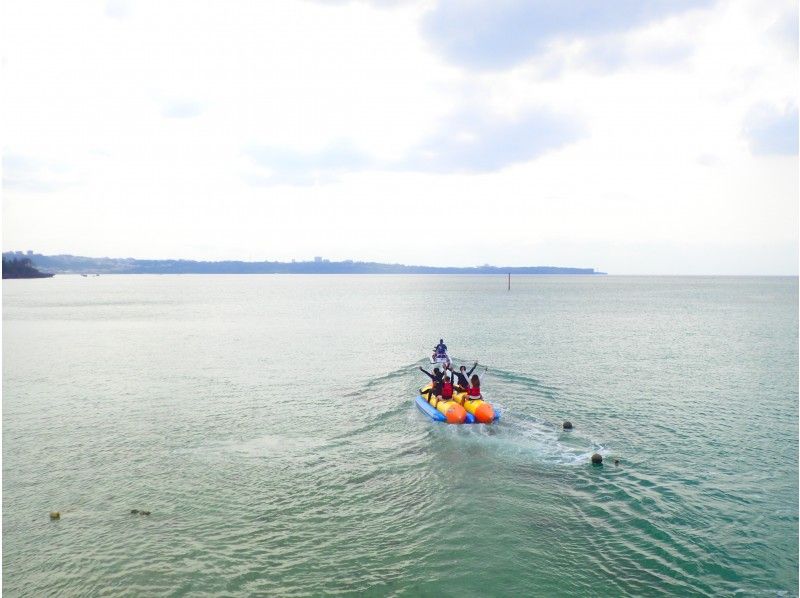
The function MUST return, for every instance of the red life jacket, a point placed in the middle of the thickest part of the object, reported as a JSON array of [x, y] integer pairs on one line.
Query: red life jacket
[[474, 391], [447, 390]]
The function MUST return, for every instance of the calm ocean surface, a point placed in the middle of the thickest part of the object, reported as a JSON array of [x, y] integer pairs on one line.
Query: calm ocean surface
[[268, 424]]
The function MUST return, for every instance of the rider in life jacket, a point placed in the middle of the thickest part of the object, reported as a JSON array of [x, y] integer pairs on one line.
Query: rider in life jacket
[[474, 391], [447, 388], [441, 349], [442, 389]]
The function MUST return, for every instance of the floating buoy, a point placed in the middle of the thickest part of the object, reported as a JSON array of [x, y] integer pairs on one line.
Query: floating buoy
[[567, 425], [597, 459], [55, 515]]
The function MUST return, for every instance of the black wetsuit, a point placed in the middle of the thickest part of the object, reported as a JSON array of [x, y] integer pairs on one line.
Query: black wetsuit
[[463, 381], [434, 391], [436, 388]]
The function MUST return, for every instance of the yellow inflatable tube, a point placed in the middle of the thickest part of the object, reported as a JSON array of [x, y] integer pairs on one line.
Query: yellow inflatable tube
[[452, 411], [483, 411]]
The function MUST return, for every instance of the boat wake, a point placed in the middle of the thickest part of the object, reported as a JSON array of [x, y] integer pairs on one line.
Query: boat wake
[[520, 432]]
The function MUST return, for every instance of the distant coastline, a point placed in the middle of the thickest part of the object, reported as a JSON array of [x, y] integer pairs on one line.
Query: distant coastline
[[74, 264], [21, 267]]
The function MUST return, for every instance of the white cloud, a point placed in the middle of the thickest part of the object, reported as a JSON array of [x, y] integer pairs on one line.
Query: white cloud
[[181, 109], [492, 34], [771, 130]]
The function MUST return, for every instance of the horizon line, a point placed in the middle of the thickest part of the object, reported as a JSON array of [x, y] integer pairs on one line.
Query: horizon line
[[500, 269], [313, 260]]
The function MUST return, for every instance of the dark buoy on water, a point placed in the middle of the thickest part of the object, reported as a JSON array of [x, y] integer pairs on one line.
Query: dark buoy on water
[[567, 425], [597, 459]]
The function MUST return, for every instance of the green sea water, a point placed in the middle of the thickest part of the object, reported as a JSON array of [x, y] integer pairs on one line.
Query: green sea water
[[268, 425]]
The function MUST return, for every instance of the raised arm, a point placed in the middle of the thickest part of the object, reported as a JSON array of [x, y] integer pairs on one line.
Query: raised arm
[[428, 374], [469, 373]]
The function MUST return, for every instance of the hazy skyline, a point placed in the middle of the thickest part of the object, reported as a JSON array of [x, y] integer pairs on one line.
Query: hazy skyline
[[633, 137]]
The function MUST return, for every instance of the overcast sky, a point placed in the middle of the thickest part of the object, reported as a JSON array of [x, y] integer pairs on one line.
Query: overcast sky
[[649, 136]]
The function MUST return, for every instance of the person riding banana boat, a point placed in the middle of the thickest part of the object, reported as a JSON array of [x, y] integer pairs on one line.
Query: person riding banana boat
[[438, 395], [455, 401], [472, 400], [462, 375]]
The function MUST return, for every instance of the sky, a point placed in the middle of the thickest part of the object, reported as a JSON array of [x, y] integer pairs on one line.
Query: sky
[[631, 136]]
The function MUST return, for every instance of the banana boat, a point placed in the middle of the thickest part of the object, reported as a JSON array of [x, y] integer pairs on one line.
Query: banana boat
[[441, 410], [460, 410], [482, 411]]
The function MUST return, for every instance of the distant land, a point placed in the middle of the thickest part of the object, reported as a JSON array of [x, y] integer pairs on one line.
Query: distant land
[[21, 267], [75, 264]]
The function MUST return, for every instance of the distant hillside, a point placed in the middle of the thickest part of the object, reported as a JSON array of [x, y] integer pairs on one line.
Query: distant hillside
[[73, 264], [21, 268]]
